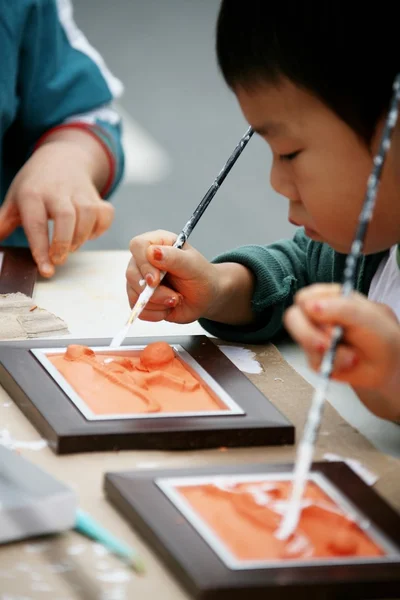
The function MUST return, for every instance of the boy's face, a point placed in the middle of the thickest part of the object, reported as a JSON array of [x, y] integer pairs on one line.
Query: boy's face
[[321, 166]]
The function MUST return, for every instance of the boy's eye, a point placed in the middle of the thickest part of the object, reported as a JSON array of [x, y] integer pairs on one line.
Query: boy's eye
[[290, 156]]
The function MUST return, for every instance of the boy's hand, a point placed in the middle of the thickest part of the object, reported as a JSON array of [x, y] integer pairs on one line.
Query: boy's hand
[[369, 355], [187, 291], [57, 183]]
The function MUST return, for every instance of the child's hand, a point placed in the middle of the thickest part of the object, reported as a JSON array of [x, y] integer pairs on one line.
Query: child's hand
[[369, 356], [56, 183], [187, 291]]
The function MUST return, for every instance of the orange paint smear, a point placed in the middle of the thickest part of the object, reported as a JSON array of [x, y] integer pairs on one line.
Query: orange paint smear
[[154, 382], [245, 516]]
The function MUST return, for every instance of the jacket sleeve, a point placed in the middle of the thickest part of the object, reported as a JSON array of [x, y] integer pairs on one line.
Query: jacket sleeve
[[280, 269], [64, 82]]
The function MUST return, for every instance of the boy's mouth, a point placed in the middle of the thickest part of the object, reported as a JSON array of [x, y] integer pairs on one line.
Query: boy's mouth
[[307, 230]]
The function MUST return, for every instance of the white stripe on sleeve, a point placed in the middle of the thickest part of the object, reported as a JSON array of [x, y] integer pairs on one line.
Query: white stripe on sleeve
[[78, 40], [105, 113]]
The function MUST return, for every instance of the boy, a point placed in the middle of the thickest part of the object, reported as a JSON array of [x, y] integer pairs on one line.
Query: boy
[[302, 75], [61, 147]]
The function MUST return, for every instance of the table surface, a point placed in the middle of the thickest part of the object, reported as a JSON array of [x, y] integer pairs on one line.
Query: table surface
[[89, 294]]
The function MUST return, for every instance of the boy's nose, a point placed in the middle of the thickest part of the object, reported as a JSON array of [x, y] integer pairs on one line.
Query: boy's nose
[[282, 184]]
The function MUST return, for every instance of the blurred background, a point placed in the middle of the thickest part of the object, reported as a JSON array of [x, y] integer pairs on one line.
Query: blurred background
[[181, 124]]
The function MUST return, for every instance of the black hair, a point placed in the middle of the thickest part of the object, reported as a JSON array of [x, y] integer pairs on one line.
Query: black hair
[[347, 57]]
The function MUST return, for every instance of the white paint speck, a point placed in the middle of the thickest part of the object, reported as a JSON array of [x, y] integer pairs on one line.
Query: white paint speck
[[114, 577], [243, 358], [62, 567], [9, 442], [24, 567], [115, 593], [99, 550], [147, 465], [36, 548], [76, 549], [38, 586]]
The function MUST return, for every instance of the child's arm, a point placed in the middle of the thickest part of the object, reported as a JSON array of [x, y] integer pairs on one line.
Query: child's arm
[[369, 357], [193, 287], [66, 132], [242, 295]]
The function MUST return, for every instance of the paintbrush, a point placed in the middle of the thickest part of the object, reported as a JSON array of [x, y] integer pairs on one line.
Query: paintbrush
[[184, 235], [306, 447], [88, 527]]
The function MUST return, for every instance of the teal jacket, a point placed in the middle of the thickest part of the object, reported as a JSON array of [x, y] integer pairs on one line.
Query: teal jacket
[[280, 270], [51, 77]]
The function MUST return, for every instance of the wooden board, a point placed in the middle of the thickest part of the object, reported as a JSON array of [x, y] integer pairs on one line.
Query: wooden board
[[141, 501], [60, 422], [18, 271]]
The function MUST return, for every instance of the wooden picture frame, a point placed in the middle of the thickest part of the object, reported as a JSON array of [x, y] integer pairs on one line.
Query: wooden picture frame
[[67, 430], [142, 501], [18, 271]]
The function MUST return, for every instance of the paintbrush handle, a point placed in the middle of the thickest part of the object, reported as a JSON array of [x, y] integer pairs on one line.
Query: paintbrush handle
[[90, 528], [212, 190], [185, 233], [209, 195]]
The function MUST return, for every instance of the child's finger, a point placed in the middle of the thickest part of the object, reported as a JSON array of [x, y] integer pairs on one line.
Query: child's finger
[[178, 263], [139, 247], [162, 296], [154, 315], [352, 312], [34, 221], [304, 332], [346, 359], [316, 292], [64, 216], [86, 217], [9, 218], [105, 217]]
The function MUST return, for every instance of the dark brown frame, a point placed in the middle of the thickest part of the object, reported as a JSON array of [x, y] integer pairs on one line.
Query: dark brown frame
[[59, 421], [18, 272], [205, 576]]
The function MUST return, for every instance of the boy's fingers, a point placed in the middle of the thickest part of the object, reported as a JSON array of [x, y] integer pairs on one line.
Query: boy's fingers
[[9, 219], [347, 312], [162, 298], [86, 217], [134, 287], [346, 359], [316, 292], [154, 316], [139, 248], [105, 217], [64, 217], [178, 263], [34, 222], [304, 332]]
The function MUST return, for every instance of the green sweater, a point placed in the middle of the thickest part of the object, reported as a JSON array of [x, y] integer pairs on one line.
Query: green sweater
[[280, 270]]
